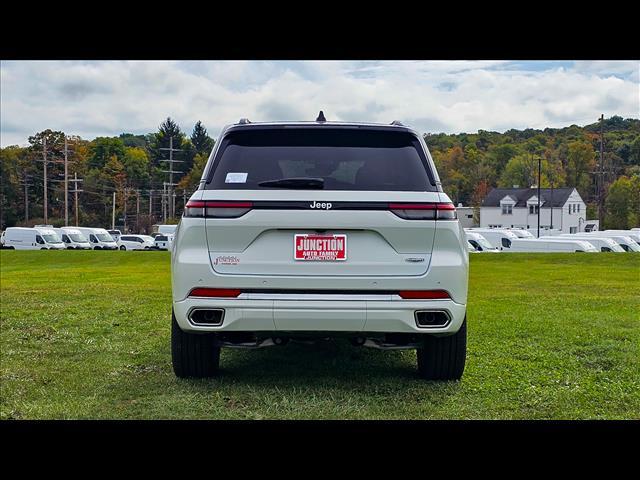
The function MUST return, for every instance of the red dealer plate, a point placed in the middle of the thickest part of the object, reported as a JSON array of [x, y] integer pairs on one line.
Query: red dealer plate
[[322, 248]]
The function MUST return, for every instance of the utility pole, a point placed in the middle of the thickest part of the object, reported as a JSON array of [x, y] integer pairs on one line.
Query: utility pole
[[551, 204], [171, 171], [184, 198], [601, 176], [126, 191], [539, 176], [138, 211], [150, 202], [44, 156], [113, 212], [66, 185], [75, 192], [25, 182], [164, 202]]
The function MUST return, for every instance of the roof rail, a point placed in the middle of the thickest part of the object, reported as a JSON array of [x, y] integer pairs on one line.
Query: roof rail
[[244, 121], [398, 123]]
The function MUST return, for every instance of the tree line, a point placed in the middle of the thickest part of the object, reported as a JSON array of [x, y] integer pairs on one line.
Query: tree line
[[469, 164], [132, 166]]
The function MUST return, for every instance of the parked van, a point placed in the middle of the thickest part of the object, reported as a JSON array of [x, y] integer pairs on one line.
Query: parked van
[[164, 241], [116, 234], [626, 242], [549, 244], [635, 236], [73, 238], [603, 243], [479, 243], [99, 238], [22, 238], [135, 242], [166, 228], [521, 232], [497, 237]]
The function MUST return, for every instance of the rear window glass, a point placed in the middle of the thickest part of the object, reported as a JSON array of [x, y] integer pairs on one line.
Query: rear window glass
[[346, 159]]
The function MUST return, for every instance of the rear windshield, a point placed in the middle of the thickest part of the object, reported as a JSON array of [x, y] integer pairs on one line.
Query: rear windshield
[[346, 159]]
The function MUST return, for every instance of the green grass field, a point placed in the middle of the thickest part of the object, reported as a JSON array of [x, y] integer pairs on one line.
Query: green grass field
[[551, 336]]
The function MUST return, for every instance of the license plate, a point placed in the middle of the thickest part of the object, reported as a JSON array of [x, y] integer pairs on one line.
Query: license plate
[[321, 248]]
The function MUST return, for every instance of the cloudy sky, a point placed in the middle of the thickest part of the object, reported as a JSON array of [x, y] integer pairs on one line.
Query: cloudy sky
[[103, 98]]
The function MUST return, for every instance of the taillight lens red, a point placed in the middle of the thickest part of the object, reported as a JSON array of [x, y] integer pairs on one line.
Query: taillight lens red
[[214, 292], [216, 209], [424, 211], [424, 294]]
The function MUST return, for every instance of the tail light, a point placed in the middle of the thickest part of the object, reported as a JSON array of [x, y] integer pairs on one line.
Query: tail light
[[424, 211], [424, 294], [215, 292], [215, 209]]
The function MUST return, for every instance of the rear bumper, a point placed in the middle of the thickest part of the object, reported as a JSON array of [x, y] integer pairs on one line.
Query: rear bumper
[[262, 315]]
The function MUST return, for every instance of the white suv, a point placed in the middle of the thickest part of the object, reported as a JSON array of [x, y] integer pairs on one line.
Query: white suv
[[319, 229]]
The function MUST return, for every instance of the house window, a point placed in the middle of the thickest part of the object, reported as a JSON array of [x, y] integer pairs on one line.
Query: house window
[[578, 208], [533, 209], [507, 209], [569, 209], [573, 229]]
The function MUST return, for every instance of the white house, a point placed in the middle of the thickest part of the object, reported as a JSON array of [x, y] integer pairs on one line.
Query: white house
[[561, 209]]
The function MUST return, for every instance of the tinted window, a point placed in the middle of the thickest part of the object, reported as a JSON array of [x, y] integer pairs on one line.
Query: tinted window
[[39, 239], [93, 238], [65, 239], [506, 243], [161, 238], [346, 159]]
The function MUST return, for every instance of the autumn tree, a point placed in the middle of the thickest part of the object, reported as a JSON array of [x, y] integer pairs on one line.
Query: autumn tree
[[580, 164]]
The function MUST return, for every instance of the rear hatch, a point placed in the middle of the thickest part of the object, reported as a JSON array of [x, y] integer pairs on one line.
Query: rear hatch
[[320, 201]]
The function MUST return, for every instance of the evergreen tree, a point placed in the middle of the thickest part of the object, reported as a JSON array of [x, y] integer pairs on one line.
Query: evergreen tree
[[202, 142]]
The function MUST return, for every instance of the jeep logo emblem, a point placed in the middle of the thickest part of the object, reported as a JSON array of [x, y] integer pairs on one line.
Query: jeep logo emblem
[[321, 206]]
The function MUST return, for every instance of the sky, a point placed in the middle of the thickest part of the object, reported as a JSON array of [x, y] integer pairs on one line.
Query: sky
[[106, 98]]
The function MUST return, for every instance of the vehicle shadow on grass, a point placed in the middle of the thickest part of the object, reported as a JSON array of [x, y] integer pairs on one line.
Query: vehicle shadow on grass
[[331, 362]]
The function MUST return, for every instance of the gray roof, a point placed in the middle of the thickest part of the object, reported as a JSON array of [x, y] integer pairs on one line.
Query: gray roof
[[521, 195]]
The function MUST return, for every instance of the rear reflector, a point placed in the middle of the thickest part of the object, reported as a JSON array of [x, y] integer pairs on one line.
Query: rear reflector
[[216, 209], [424, 211], [215, 292], [424, 294]]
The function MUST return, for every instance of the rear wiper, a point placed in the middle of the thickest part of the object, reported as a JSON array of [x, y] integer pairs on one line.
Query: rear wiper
[[294, 182]]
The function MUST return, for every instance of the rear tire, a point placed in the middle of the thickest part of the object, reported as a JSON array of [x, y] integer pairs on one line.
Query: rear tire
[[443, 358], [193, 355]]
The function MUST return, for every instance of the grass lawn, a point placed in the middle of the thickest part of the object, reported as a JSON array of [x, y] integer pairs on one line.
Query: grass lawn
[[551, 336]]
